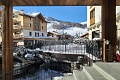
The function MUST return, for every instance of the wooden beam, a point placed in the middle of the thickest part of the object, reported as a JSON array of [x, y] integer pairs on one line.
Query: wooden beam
[[96, 2], [7, 40], [118, 2], [58, 2], [27, 2], [109, 29], [34, 2], [55, 2]]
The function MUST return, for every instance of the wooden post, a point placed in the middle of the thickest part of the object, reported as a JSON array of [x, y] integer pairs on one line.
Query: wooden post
[[104, 50], [7, 40], [109, 28]]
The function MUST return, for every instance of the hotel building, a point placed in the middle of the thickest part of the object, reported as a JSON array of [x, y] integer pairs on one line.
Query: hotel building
[[28, 28], [94, 22]]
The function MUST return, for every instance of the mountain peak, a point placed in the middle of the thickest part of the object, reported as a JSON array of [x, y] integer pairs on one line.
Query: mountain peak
[[60, 26]]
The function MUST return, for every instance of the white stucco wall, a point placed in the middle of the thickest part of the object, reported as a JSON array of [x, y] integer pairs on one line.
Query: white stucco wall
[[26, 33], [98, 11], [117, 9], [97, 14], [88, 16], [90, 34], [118, 29]]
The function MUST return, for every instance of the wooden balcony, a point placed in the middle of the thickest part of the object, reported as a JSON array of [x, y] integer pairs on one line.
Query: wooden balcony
[[92, 21], [18, 27], [16, 36]]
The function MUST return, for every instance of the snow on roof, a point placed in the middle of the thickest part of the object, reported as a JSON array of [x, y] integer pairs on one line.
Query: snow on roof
[[32, 14], [96, 38], [56, 33], [35, 14]]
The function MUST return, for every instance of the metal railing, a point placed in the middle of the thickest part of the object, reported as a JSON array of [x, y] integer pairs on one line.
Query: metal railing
[[55, 58], [89, 49]]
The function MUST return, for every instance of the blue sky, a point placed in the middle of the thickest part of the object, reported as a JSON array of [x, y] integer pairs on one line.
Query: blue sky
[[65, 13]]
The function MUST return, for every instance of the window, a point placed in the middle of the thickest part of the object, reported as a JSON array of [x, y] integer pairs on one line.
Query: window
[[42, 27], [17, 32], [35, 34], [15, 16], [92, 13], [16, 23], [42, 34], [38, 34], [30, 33], [30, 18], [30, 25], [42, 21]]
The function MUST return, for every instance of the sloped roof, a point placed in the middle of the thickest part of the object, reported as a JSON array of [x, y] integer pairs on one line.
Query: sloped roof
[[55, 33], [33, 14]]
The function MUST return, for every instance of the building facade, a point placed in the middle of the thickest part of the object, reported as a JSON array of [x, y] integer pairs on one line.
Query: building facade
[[94, 22], [60, 36], [28, 28]]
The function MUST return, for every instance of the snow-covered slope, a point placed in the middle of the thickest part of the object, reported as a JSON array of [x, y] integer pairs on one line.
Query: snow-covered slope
[[72, 30], [66, 27]]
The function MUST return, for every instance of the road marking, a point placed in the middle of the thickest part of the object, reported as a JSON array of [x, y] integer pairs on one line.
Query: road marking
[[87, 74]]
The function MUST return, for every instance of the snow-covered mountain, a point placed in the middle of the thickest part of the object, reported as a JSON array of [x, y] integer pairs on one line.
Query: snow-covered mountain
[[66, 27]]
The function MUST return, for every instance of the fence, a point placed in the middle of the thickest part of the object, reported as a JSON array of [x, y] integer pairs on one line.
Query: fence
[[56, 58], [91, 48]]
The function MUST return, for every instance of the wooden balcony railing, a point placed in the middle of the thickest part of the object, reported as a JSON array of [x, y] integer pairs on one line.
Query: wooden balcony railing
[[15, 36], [16, 27], [92, 21]]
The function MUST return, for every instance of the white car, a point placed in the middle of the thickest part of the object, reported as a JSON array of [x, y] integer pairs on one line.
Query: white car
[[58, 78], [30, 55]]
